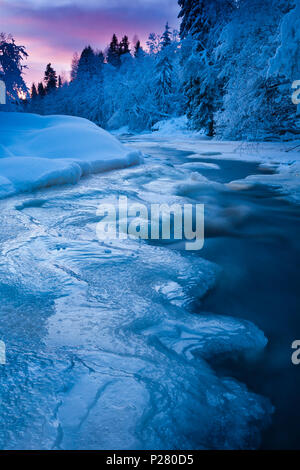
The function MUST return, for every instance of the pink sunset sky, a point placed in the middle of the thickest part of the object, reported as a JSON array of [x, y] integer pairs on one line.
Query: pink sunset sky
[[53, 30]]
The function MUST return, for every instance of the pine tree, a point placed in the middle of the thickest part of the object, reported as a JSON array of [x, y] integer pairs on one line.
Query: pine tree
[[86, 90], [193, 17], [163, 82], [124, 46], [89, 64], [201, 17], [113, 53], [33, 92], [101, 57], [50, 79], [257, 76], [59, 81], [200, 27], [11, 68], [74, 66], [41, 90], [166, 37], [137, 48], [153, 43]]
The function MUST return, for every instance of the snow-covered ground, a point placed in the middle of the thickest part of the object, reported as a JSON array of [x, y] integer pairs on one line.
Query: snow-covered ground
[[107, 346], [40, 151]]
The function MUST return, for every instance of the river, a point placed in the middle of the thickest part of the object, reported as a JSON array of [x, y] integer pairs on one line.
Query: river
[[137, 345]]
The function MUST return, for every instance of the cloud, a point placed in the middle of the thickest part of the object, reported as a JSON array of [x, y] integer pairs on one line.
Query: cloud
[[52, 30], [96, 4]]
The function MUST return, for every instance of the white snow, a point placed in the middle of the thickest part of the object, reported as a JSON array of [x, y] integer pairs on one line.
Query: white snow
[[283, 158], [171, 126], [40, 151]]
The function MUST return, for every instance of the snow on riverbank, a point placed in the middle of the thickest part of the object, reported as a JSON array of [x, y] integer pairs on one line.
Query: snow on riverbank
[[280, 161], [40, 151]]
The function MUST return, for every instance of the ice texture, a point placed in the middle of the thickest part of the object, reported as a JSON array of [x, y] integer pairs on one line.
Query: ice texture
[[107, 344]]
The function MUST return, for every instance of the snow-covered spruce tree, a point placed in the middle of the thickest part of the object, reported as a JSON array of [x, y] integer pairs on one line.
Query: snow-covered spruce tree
[[126, 59], [41, 90], [137, 94], [37, 102], [33, 92], [87, 64], [113, 52], [129, 93], [74, 66], [285, 68], [256, 105], [50, 79], [45, 102], [164, 73], [123, 95], [124, 46], [34, 103], [153, 43], [138, 50], [287, 58], [166, 37], [84, 96], [11, 68], [201, 23], [163, 82]]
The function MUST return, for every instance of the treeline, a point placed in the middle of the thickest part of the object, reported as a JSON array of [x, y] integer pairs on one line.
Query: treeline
[[118, 87], [230, 70]]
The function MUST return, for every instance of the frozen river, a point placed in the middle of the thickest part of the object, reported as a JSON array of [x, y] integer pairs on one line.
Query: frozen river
[[128, 344]]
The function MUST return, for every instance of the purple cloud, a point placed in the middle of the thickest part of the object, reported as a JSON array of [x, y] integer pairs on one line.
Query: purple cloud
[[53, 30]]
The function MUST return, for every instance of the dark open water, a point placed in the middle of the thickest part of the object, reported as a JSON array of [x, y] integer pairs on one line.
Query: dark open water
[[260, 283]]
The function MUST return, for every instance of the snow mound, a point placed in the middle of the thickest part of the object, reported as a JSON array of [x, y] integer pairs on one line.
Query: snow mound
[[40, 151]]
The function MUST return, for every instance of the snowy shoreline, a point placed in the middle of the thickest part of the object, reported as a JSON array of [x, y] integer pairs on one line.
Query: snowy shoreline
[[42, 151], [279, 161]]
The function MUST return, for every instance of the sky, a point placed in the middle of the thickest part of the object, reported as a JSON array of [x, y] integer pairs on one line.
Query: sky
[[52, 30]]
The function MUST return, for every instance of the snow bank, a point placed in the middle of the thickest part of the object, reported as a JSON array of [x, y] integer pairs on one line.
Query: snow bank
[[39, 151]]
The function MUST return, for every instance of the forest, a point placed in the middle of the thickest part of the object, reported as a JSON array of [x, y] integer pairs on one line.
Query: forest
[[229, 69]]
